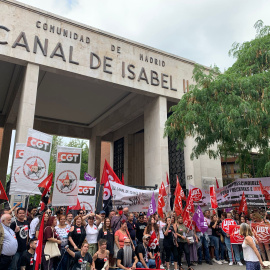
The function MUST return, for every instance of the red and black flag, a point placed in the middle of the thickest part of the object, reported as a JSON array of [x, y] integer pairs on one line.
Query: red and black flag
[[3, 195], [45, 189], [38, 252]]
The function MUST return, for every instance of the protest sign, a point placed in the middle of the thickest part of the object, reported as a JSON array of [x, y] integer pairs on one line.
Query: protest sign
[[137, 200], [17, 163], [87, 195], [35, 163], [226, 223], [67, 175], [262, 231], [196, 193], [235, 237]]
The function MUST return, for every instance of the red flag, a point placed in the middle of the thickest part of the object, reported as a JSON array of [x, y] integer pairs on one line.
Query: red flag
[[74, 207], [243, 208], [178, 207], [38, 252], [163, 190], [217, 183], [183, 196], [264, 192], [45, 188], [107, 197], [190, 203], [3, 195], [123, 180], [161, 203], [188, 209], [153, 242], [109, 174], [167, 178], [213, 197]]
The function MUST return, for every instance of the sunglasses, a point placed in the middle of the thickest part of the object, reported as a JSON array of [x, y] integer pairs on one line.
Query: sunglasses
[[49, 212], [147, 239]]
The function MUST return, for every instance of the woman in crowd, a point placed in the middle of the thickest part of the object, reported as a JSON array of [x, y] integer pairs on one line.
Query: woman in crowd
[[214, 224], [119, 237], [252, 256], [169, 243], [161, 224], [80, 258], [182, 241], [91, 235], [76, 234], [46, 218], [50, 235], [107, 234], [62, 230], [151, 228], [191, 234], [101, 257]]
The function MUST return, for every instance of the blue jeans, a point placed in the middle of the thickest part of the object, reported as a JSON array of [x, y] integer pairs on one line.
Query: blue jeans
[[150, 264], [63, 261], [235, 250], [222, 250], [215, 241], [205, 246], [16, 261]]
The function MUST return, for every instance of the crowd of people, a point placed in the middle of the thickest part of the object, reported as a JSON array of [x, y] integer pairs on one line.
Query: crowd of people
[[93, 241]]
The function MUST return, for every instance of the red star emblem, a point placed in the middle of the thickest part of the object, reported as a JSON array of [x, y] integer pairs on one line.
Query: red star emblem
[[62, 180], [31, 165]]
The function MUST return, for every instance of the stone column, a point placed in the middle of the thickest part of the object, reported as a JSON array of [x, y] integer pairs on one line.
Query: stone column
[[155, 146], [26, 114], [94, 156], [4, 155]]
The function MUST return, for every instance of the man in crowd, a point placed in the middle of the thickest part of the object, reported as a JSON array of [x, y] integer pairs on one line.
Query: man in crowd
[[32, 214], [102, 215], [116, 220], [112, 214], [145, 257], [21, 227], [69, 219], [27, 260], [140, 226], [126, 258], [131, 228], [8, 242]]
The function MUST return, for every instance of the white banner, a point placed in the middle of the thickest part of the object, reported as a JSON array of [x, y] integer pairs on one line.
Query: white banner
[[67, 176], [137, 200], [87, 195], [36, 160], [17, 163]]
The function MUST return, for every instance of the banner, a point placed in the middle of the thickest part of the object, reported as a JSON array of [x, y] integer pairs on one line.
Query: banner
[[87, 194], [263, 232], [137, 200], [226, 223], [235, 237], [17, 163], [35, 163], [67, 175]]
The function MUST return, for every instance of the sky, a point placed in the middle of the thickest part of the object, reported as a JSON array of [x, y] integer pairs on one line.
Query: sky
[[200, 30]]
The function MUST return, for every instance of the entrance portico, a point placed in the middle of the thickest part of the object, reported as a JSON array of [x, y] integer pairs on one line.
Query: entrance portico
[[68, 79]]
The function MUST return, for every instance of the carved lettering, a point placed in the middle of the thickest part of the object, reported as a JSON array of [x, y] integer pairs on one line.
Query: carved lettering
[[130, 67], [143, 76], [92, 57], [18, 40], [154, 78], [105, 64], [71, 56], [164, 81], [7, 30], [43, 49], [61, 52]]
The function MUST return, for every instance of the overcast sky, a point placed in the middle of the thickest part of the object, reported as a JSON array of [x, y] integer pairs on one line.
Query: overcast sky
[[199, 30]]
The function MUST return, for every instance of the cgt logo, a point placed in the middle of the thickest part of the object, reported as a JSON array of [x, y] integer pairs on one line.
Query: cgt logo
[[38, 144], [19, 154], [68, 157], [89, 191]]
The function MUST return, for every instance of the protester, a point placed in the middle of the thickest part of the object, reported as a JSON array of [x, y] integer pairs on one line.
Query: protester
[[80, 258], [101, 257], [21, 227], [101, 216], [182, 241], [76, 234], [27, 260], [62, 229], [161, 224], [50, 235], [126, 257], [145, 258], [116, 220], [169, 243], [107, 234], [69, 219], [46, 218], [140, 227], [32, 213], [251, 255], [119, 237], [10, 244], [214, 224], [132, 228], [92, 235]]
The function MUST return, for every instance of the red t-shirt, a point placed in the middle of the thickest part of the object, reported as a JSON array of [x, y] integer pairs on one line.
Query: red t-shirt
[[121, 238]]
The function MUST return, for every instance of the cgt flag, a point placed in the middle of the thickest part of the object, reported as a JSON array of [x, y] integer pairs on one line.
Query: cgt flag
[[178, 207], [152, 207], [45, 189], [108, 174], [161, 203], [3, 195], [38, 252], [213, 197], [107, 197]]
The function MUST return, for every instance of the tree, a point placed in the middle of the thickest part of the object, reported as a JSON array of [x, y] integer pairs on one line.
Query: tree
[[230, 110], [84, 158]]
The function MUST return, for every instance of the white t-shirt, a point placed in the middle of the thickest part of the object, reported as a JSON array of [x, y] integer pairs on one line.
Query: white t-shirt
[[161, 224], [33, 225], [91, 234]]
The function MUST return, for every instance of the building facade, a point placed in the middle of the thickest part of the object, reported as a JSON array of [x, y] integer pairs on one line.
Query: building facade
[[68, 79]]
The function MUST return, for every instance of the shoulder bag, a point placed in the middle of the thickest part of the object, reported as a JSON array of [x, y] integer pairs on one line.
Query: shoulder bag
[[51, 249]]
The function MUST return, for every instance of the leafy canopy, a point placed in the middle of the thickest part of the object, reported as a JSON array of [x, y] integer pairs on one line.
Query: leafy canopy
[[229, 109]]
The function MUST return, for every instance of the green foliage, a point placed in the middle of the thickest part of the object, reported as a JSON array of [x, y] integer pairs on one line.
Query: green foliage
[[230, 110]]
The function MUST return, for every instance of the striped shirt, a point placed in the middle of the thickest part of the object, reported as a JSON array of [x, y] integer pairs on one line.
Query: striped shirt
[[10, 244]]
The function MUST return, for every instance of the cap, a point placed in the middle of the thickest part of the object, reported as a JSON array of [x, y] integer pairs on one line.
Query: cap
[[119, 207], [141, 215], [102, 212]]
